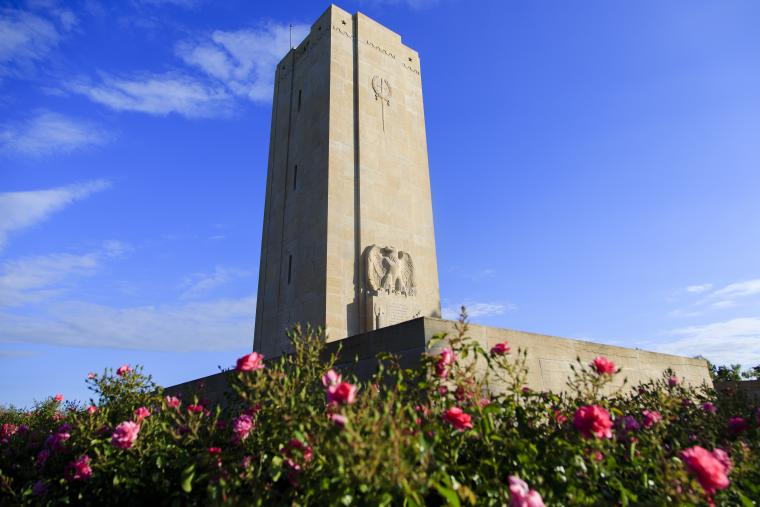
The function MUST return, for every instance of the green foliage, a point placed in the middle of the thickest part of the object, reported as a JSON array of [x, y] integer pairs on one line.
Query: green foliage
[[733, 373], [391, 445]]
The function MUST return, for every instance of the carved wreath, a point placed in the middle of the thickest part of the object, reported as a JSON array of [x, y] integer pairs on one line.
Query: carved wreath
[[382, 89], [390, 270]]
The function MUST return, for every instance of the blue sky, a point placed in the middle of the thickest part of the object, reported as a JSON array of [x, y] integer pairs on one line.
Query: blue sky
[[595, 170]]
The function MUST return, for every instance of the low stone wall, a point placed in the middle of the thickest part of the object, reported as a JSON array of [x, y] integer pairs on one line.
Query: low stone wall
[[549, 357]]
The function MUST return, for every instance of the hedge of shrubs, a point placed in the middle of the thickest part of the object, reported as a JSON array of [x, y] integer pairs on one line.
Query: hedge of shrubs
[[295, 431]]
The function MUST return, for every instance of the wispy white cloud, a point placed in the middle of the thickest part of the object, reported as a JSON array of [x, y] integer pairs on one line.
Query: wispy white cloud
[[223, 324], [735, 294], [476, 310], [37, 278], [222, 68], [24, 38], [159, 94], [738, 290], [27, 38], [698, 289], [244, 60], [19, 210], [200, 283], [47, 132], [725, 342]]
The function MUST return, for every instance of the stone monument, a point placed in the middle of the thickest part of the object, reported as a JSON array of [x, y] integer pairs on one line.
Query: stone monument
[[348, 240]]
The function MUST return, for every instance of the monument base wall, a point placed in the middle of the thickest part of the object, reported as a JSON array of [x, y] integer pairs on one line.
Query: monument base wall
[[548, 362]]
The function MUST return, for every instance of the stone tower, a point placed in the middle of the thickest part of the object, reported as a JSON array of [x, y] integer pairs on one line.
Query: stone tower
[[348, 240]]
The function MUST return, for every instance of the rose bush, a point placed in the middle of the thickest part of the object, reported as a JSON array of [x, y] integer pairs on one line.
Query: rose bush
[[296, 431]]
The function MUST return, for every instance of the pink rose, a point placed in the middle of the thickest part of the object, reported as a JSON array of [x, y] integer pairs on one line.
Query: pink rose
[[710, 469], [7, 431], [463, 393], [58, 397], [522, 496], [293, 449], [56, 440], [125, 434], [92, 409], [241, 427], [141, 414], [603, 366], [673, 381], [343, 393], [709, 407], [79, 469], [195, 408], [458, 418], [331, 378], [339, 419], [593, 420], [651, 417], [737, 424], [123, 370], [500, 349], [172, 402], [446, 359], [251, 362], [723, 457]]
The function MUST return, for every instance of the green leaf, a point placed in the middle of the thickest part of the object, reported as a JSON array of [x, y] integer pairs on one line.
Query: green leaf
[[187, 478], [449, 494], [746, 502]]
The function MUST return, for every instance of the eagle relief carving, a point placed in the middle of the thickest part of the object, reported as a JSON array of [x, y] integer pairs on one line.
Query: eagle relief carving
[[390, 271], [390, 287]]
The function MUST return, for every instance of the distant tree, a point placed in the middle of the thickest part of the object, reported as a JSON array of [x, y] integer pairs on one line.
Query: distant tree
[[729, 373], [752, 373]]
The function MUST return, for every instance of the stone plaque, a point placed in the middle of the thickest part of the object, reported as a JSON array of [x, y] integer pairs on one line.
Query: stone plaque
[[387, 309]]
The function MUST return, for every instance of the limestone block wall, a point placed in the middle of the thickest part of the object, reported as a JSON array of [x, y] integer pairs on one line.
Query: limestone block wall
[[550, 357]]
